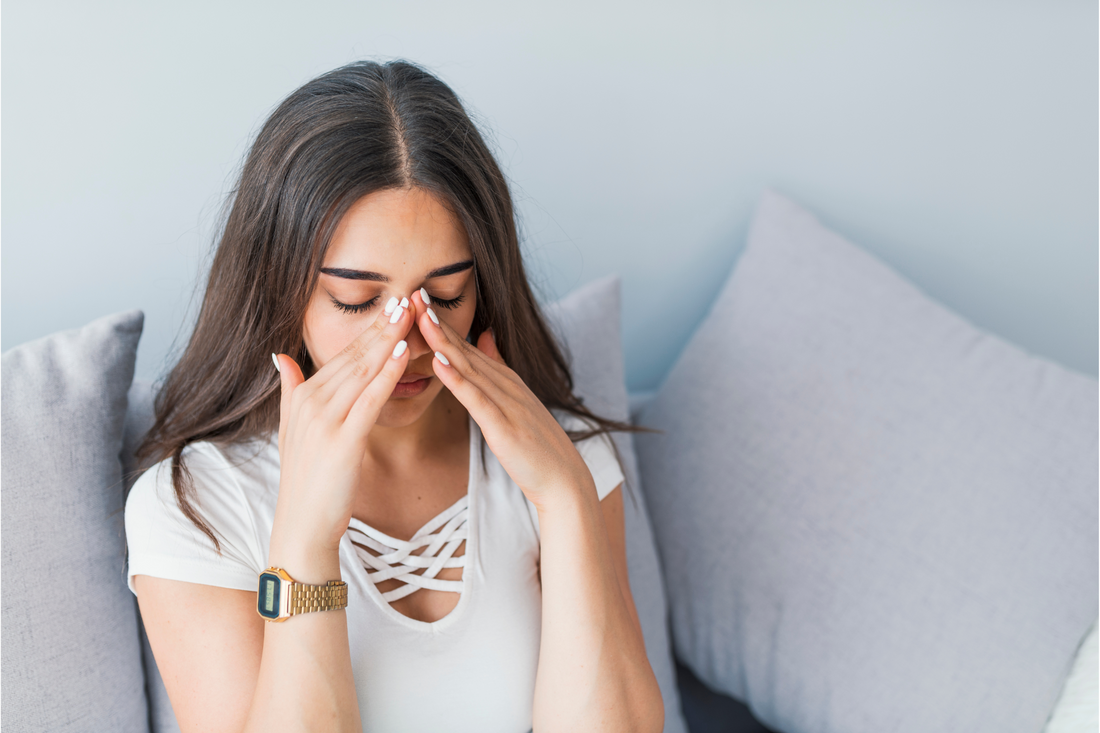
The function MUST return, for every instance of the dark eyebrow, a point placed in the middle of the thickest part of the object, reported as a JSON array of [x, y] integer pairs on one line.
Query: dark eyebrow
[[379, 277]]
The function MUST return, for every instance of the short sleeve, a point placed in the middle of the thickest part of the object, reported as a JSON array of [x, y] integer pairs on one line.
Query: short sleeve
[[162, 542], [598, 454]]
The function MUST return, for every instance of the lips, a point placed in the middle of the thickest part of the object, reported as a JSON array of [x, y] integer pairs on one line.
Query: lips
[[412, 378]]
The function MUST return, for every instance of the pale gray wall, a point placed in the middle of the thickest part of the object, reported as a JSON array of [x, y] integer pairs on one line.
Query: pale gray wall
[[957, 141]]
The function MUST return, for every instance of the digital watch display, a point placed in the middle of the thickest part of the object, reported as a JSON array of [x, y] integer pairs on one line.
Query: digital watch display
[[279, 596], [270, 595]]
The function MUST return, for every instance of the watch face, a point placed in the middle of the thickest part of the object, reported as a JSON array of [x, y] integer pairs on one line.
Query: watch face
[[268, 602]]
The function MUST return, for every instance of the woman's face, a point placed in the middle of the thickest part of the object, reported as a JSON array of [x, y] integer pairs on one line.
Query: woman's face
[[390, 244]]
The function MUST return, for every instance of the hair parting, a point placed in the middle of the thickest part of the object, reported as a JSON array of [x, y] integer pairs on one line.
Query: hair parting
[[363, 127]]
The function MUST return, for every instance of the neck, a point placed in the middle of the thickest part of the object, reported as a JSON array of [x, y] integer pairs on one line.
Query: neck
[[442, 425]]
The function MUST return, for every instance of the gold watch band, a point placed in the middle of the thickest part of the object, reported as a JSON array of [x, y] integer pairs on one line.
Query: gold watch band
[[280, 596], [305, 598]]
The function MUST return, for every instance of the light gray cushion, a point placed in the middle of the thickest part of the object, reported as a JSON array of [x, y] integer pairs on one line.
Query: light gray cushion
[[588, 321], [871, 515], [71, 652], [139, 418]]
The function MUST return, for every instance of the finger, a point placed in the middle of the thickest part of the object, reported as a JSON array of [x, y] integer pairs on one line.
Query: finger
[[342, 391], [364, 411], [483, 399], [486, 343], [422, 300], [415, 304], [356, 348], [290, 377], [351, 356], [491, 376], [444, 339], [486, 396]]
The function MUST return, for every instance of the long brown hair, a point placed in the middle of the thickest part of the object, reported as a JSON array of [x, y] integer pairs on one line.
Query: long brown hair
[[361, 128]]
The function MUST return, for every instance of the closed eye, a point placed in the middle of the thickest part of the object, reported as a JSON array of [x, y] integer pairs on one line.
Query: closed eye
[[360, 307], [354, 308], [452, 303]]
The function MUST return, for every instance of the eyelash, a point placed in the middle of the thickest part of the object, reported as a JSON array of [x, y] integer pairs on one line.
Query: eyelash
[[452, 303]]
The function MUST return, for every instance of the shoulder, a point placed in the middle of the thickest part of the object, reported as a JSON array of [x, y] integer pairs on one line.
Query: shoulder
[[216, 474], [225, 483]]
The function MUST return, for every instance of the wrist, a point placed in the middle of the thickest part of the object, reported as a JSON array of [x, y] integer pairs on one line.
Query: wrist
[[566, 497], [282, 596], [306, 560]]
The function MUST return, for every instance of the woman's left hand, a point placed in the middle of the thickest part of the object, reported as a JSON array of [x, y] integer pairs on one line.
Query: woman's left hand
[[527, 440]]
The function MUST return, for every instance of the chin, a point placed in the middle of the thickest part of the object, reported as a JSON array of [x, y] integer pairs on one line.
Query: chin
[[401, 411]]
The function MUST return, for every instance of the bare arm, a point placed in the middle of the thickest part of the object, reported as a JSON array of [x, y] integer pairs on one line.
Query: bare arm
[[612, 509], [305, 680], [207, 647], [593, 672], [226, 669]]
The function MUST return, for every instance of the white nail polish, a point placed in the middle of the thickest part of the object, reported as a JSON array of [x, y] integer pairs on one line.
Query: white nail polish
[[399, 349], [442, 358], [390, 305], [431, 314], [404, 302], [397, 315], [424, 296], [276, 360]]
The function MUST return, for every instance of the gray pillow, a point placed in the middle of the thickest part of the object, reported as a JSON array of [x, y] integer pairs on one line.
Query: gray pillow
[[588, 322], [872, 515], [139, 419], [71, 652]]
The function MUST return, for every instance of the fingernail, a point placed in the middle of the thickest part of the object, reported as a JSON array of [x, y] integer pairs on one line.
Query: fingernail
[[276, 360], [390, 305], [431, 314], [424, 296], [397, 315], [442, 358], [399, 349], [404, 302]]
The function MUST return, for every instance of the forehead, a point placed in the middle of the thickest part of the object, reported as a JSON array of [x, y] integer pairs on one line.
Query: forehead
[[397, 226]]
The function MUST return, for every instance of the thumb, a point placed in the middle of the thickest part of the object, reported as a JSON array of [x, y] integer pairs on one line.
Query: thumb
[[290, 376], [486, 343]]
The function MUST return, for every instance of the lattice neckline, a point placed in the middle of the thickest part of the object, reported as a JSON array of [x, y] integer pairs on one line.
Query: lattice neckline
[[395, 560]]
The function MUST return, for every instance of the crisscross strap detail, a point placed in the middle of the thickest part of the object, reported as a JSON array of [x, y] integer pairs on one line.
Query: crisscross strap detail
[[395, 559]]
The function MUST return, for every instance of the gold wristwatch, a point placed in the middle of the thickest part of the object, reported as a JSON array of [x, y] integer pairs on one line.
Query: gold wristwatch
[[281, 596]]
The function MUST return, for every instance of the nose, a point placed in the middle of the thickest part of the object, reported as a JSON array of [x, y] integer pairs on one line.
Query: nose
[[417, 344]]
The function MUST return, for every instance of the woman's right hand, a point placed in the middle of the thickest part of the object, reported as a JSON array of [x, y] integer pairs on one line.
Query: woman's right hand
[[323, 427]]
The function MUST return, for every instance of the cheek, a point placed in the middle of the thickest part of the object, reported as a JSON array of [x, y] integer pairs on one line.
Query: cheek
[[463, 318], [326, 334], [460, 320]]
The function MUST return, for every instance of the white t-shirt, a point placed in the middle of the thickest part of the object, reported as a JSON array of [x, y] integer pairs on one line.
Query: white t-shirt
[[472, 670]]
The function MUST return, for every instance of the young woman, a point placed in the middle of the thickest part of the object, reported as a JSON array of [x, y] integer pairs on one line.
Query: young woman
[[325, 544]]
